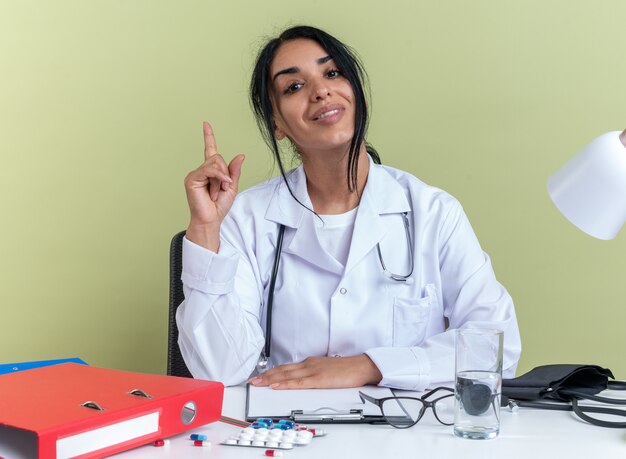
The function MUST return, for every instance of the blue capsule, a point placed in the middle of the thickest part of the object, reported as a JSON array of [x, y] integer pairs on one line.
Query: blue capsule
[[267, 421], [198, 437], [280, 427], [291, 424]]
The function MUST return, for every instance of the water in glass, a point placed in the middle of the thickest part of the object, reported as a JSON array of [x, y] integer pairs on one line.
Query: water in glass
[[477, 404]]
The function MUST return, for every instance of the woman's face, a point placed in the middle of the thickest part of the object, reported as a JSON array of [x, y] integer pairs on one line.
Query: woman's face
[[313, 103]]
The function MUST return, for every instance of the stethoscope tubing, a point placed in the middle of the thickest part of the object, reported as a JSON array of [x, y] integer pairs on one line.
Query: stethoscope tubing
[[270, 296], [265, 355]]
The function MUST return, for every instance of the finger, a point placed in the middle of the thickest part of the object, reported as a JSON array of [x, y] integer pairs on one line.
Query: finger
[[206, 173], [257, 381], [285, 376], [234, 170], [210, 145], [216, 168], [281, 370], [297, 383], [214, 188], [272, 375], [201, 177]]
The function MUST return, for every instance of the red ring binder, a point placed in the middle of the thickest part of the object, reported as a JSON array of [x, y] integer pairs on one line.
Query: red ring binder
[[47, 403]]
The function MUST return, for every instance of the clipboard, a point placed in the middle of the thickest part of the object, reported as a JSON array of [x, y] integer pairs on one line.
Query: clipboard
[[315, 406]]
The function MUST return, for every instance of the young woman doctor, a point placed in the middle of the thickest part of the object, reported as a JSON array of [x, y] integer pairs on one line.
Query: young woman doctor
[[376, 270]]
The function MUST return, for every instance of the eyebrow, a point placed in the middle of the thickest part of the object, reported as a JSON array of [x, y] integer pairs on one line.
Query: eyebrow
[[291, 70]]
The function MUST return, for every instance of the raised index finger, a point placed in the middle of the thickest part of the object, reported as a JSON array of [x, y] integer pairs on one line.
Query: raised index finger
[[210, 146]]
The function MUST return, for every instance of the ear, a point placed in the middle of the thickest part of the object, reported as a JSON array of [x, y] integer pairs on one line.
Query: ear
[[280, 135], [278, 132]]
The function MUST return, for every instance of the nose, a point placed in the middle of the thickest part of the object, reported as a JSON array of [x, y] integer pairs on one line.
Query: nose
[[319, 90]]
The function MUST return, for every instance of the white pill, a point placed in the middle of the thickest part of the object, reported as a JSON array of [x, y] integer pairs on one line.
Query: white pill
[[258, 443], [231, 441], [302, 441], [244, 442], [289, 434], [286, 445], [272, 444], [305, 434]]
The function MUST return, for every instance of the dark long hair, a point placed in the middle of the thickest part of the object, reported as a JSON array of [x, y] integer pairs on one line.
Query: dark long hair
[[350, 67]]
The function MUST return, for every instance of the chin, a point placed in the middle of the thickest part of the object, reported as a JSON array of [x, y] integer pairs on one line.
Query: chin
[[328, 141], [341, 141]]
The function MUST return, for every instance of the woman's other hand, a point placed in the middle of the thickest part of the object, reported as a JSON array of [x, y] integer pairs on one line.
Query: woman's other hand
[[211, 190], [321, 373]]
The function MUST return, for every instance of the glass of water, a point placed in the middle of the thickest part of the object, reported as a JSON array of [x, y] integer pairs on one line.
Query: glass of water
[[478, 383]]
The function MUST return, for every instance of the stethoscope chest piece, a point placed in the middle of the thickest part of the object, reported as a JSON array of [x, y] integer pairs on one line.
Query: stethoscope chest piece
[[263, 364]]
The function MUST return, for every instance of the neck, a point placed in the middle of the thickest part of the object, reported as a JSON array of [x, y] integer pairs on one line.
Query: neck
[[327, 182]]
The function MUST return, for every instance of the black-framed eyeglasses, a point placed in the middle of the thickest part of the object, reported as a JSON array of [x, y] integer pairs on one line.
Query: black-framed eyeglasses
[[403, 412]]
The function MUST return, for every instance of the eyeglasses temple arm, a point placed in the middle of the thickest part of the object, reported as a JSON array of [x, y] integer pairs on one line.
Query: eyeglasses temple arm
[[369, 398], [428, 394]]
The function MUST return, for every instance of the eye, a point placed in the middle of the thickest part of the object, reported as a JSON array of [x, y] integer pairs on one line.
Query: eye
[[333, 73], [293, 87]]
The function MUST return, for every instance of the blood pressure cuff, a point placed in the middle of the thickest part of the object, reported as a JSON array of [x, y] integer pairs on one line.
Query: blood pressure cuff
[[556, 382], [562, 386]]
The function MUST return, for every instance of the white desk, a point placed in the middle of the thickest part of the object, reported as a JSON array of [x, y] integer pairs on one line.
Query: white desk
[[529, 433]]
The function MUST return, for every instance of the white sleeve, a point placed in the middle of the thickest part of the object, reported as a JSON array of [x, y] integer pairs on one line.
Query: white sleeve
[[472, 298], [219, 333]]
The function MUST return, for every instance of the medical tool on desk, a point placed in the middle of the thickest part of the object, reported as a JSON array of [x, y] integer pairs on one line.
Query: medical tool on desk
[[265, 354]]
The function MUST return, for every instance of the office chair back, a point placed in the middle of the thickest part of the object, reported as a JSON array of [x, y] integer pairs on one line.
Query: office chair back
[[175, 363]]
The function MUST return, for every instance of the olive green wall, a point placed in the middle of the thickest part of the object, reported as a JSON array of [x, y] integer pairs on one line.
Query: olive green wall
[[101, 104]]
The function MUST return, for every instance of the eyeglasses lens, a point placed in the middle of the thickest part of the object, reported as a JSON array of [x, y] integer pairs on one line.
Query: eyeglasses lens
[[444, 410], [402, 412]]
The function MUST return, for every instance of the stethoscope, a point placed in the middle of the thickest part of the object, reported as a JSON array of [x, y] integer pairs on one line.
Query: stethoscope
[[265, 353]]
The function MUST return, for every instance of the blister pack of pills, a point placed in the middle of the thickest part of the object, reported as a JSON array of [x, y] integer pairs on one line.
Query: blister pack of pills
[[266, 434]]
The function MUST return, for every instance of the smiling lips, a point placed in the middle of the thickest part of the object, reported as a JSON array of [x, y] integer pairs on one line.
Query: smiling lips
[[329, 113], [324, 115]]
